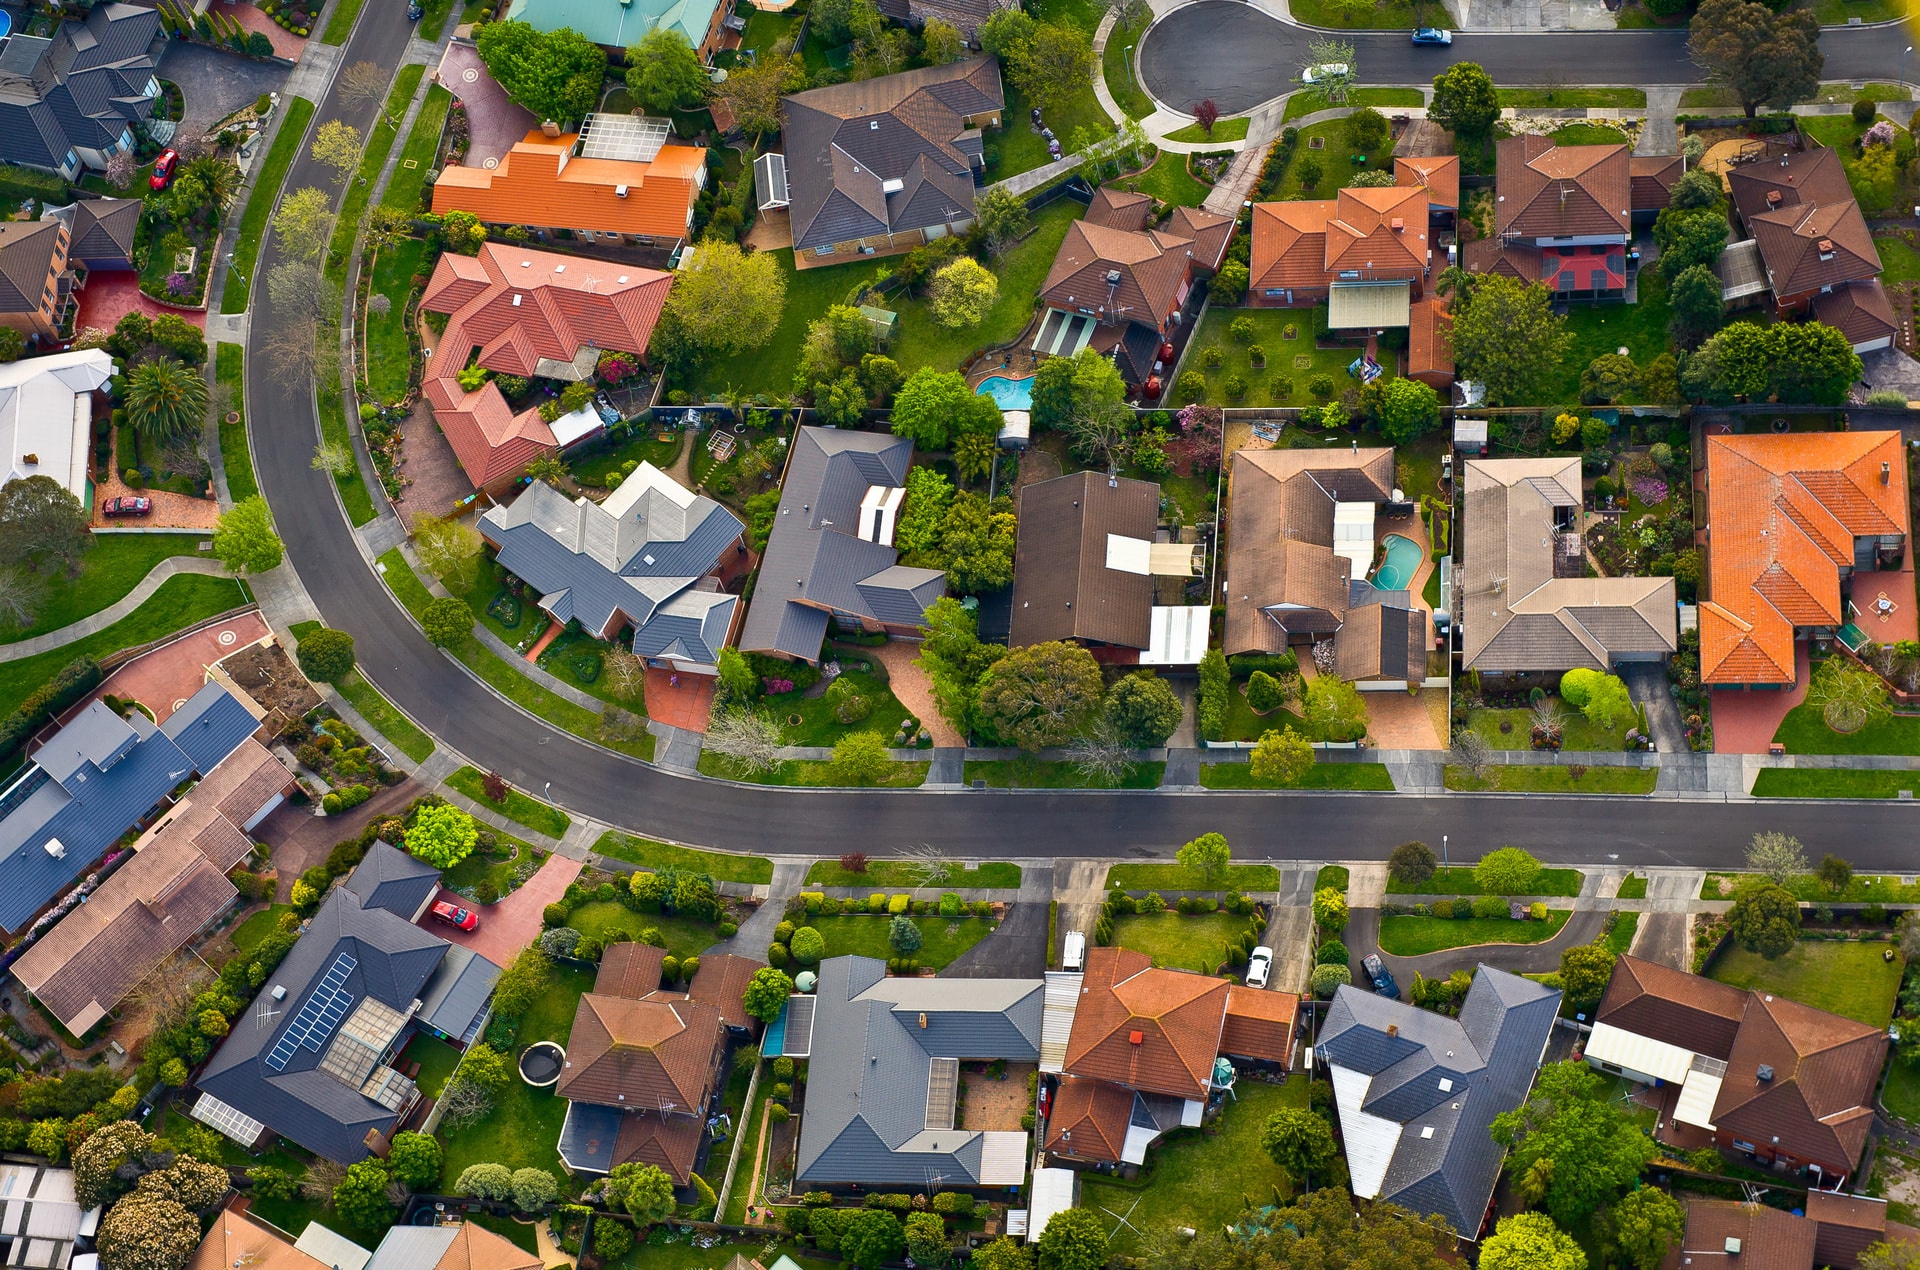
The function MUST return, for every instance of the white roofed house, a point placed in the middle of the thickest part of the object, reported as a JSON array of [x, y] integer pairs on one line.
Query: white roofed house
[[46, 416]]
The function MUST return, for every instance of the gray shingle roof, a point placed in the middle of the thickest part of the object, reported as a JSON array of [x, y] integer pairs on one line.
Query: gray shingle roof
[[80, 88], [454, 996], [103, 229], [393, 880]]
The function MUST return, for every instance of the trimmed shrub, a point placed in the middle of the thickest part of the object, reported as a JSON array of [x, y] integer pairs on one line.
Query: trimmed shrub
[[950, 905], [899, 904], [1490, 906], [777, 955], [1332, 953], [808, 946]]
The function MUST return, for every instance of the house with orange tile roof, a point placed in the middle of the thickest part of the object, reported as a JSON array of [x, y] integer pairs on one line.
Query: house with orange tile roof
[[528, 313], [1794, 521], [573, 181], [1367, 253]]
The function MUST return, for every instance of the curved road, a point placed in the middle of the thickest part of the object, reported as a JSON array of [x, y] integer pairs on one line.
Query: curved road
[[439, 695]]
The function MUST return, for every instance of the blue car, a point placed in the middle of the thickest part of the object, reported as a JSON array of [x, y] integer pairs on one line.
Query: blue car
[[1382, 977], [1432, 35]]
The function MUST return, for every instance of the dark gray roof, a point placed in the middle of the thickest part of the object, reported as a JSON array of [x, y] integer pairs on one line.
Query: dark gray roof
[[393, 880], [103, 229], [1445, 1161], [458, 991], [30, 134], [872, 1059], [393, 962], [80, 88], [814, 556], [210, 726], [587, 1137]]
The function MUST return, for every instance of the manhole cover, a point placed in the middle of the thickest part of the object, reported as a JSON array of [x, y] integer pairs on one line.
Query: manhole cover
[[469, 75], [227, 637], [490, 163]]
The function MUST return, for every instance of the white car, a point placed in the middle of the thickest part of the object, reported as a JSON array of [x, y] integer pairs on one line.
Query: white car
[[1326, 70], [1259, 966]]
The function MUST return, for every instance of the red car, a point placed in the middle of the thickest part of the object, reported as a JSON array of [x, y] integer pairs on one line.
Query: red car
[[163, 168], [453, 915], [127, 505]]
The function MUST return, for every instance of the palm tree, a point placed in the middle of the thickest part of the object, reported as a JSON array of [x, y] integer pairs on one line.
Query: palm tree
[[736, 400], [165, 400], [1455, 281]]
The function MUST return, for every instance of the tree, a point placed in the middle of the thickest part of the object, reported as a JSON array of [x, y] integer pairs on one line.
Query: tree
[[1609, 378], [727, 301], [1473, 752], [859, 758], [1100, 755], [1206, 114], [1335, 708], [522, 983], [934, 406], [1777, 855], [98, 1162], [1464, 101], [193, 1184], [1904, 1255], [485, 1181], [365, 84], [41, 524], [903, 935], [1003, 1253], [767, 992], [1697, 304], [1040, 695], [1834, 873], [361, 1198], [1509, 338], [337, 144], [955, 660], [449, 548], [1765, 918], [1594, 1151], [1328, 978], [1608, 701], [1143, 709], [941, 43], [1850, 697], [165, 400], [754, 92], [1089, 404], [1530, 1241], [1412, 863], [1794, 362], [962, 293], [442, 835], [245, 541], [927, 1238], [1301, 1143], [1073, 1240], [871, 1236], [664, 73], [644, 1190], [1052, 65], [1000, 215], [1281, 757], [1331, 87], [1209, 855], [1689, 237], [1584, 972], [533, 1189], [1330, 910], [1508, 871], [486, 1067], [1404, 408], [1766, 58], [977, 542], [147, 1232], [1004, 31], [1641, 1227], [447, 620], [304, 223], [840, 21], [836, 339], [748, 740], [555, 74], [415, 1160]]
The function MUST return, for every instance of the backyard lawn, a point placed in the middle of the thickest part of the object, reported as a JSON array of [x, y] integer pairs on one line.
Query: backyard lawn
[[389, 365], [865, 935], [1408, 936], [1459, 880], [113, 566], [1283, 380], [1246, 878], [266, 183], [1603, 328], [1367, 776], [1840, 976], [1179, 941], [685, 937], [437, 1060], [247, 935], [1816, 782], [1520, 779], [909, 873], [751, 869], [1901, 1094], [1804, 731]]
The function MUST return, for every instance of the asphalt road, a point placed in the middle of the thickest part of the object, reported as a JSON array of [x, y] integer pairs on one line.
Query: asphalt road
[[442, 698], [1239, 56]]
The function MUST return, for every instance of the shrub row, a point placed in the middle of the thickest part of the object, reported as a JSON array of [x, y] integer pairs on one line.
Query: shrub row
[[347, 798], [814, 903], [73, 681]]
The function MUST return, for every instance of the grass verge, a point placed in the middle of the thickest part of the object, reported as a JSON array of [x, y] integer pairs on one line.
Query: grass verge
[[1459, 880], [1565, 98], [538, 816], [1865, 888], [1300, 105], [908, 873], [1850, 979], [1372, 776], [1022, 773], [1633, 888], [340, 22], [229, 371], [1554, 780], [1789, 782], [385, 717], [751, 869], [1180, 877], [810, 772], [1224, 130], [1331, 875], [1406, 936], [409, 179], [267, 179], [1620, 932]]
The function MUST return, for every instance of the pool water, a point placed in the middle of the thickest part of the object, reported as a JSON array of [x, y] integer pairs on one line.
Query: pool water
[[1010, 394], [1402, 562]]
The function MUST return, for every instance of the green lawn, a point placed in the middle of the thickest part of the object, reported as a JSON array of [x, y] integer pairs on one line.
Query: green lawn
[[884, 874], [1709, 97], [389, 365], [600, 462], [1604, 328], [560, 656], [1201, 1178], [1845, 978], [751, 869], [1246, 878], [230, 362], [248, 934], [340, 23], [1633, 888], [1804, 731], [1787, 782], [1577, 733], [437, 1060], [495, 866], [1300, 104], [1620, 932], [1282, 369], [1899, 262], [373, 157], [1331, 875], [1459, 880], [267, 179], [1169, 181], [1030, 773], [1336, 157], [408, 183], [1405, 936], [382, 714], [112, 567], [811, 772], [1390, 15], [1564, 98], [1555, 780], [816, 724], [1589, 134], [1839, 12], [1839, 133], [538, 816], [865, 935], [1119, 69], [1901, 1094], [1180, 941], [1022, 149], [1368, 776], [685, 937], [1224, 130]]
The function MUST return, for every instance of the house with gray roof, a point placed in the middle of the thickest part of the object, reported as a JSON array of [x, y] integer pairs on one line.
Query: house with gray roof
[[1417, 1091], [74, 100], [313, 1058], [831, 554], [884, 1069], [100, 230], [651, 558]]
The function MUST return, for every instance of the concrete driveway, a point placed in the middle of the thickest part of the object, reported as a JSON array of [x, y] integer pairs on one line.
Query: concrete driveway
[[216, 84]]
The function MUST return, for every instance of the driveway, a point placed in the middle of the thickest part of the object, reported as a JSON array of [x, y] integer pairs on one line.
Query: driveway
[[1017, 949], [515, 922], [1647, 684], [217, 84], [301, 839], [1363, 937]]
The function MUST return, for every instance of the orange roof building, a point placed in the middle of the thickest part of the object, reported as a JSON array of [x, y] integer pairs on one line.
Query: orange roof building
[[542, 184], [527, 313], [1367, 251], [1790, 519]]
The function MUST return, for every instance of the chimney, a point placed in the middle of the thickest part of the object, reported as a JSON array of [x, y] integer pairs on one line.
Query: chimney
[[1773, 198], [1765, 1073], [1393, 1029], [1886, 473], [1399, 226], [550, 129], [1136, 1038], [1826, 248]]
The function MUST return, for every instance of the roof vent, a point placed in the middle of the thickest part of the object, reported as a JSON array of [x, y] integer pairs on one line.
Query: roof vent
[[1398, 224], [923, 1020], [526, 264], [559, 268], [56, 849], [1826, 249], [1733, 1245], [1136, 1038], [1426, 1131], [873, 125], [1113, 277], [619, 191], [1446, 1085], [1393, 1029], [1766, 1071], [622, 280], [279, 992]]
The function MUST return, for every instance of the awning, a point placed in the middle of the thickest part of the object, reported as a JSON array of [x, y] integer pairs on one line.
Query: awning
[[1054, 1191], [1372, 305], [1637, 1053], [1063, 334], [1178, 635], [1741, 273]]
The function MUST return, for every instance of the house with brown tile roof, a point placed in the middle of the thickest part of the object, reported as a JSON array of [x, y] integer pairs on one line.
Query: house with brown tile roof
[[522, 312], [1791, 519], [1652, 177], [964, 16], [549, 183], [1730, 1235], [1814, 249], [1521, 594], [236, 1240], [1437, 174], [1790, 1086], [38, 289], [1259, 1024], [1860, 311], [1367, 252], [1430, 343], [1144, 1027]]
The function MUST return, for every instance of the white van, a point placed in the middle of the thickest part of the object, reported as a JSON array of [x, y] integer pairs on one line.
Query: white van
[[1075, 955]]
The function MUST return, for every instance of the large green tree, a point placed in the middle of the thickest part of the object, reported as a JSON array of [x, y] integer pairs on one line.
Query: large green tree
[[1404, 408], [1075, 1239], [1143, 709], [1698, 306], [1806, 363], [766, 993], [1766, 58], [1334, 707], [1464, 100], [1301, 1143], [725, 302], [41, 524], [1584, 972], [361, 1197], [1281, 757], [1590, 1150], [245, 541], [166, 401], [871, 1236], [1530, 1241], [1041, 695], [644, 1190], [935, 406], [1210, 854], [977, 542], [1641, 1227], [1053, 64], [664, 73], [556, 74], [145, 1231], [1508, 337], [955, 660], [1689, 238], [1765, 918], [442, 835]]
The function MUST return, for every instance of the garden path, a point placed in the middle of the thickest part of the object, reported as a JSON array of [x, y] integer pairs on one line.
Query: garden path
[[96, 622], [910, 685]]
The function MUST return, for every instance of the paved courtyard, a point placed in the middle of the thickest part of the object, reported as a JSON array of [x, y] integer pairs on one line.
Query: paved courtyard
[[494, 122], [215, 84], [110, 296], [163, 679], [433, 482], [679, 701]]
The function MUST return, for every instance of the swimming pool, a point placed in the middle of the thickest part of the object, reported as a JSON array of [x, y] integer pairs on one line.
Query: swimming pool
[[1402, 562], [1011, 394]]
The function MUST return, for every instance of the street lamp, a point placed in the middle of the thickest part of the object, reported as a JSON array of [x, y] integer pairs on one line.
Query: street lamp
[[237, 269], [1126, 57], [1443, 853]]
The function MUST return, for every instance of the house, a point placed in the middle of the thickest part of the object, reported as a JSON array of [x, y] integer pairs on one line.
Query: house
[[1120, 287], [521, 312], [1814, 252], [1524, 601], [38, 286], [154, 904], [100, 232], [1790, 1086], [618, 28], [615, 181], [1650, 184], [1796, 525], [98, 777], [41, 1221], [1430, 343], [650, 558], [880, 166], [1365, 252], [238, 1240], [1417, 1091], [1300, 544], [964, 16], [1087, 569], [1439, 175], [313, 1061], [1144, 1052], [1726, 1234], [46, 416], [833, 537], [644, 1066], [72, 101], [884, 1069]]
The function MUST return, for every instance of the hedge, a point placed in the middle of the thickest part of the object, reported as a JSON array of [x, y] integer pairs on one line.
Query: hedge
[[73, 681]]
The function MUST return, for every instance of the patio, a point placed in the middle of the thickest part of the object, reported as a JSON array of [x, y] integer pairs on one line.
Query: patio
[[110, 296]]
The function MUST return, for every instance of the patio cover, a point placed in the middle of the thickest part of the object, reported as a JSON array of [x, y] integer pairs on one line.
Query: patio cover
[[1372, 305], [1179, 635]]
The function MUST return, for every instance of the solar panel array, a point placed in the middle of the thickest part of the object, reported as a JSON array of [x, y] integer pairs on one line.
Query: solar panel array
[[325, 1006]]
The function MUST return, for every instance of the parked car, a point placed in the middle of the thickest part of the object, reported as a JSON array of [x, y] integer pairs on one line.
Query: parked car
[[415, 11], [1046, 1099], [1432, 35], [1382, 977], [127, 505], [453, 915], [1259, 966], [163, 168], [1074, 954], [1326, 70]]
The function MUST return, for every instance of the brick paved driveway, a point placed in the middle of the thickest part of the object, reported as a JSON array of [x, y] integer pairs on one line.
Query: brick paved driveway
[[513, 923]]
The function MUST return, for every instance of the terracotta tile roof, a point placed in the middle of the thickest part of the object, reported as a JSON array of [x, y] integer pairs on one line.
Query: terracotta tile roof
[[1438, 174], [1141, 277], [630, 970], [1210, 234], [237, 1240], [1512, 260], [1803, 177], [521, 306], [1119, 209], [1545, 190], [658, 1052], [1290, 244], [540, 182], [1144, 1027], [1089, 1119], [1430, 338], [477, 1248], [1769, 1238], [1062, 586], [1649, 999], [1782, 513], [1653, 176], [721, 982], [670, 1142], [1858, 310], [1361, 235], [1259, 1024], [1806, 247], [1819, 1103]]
